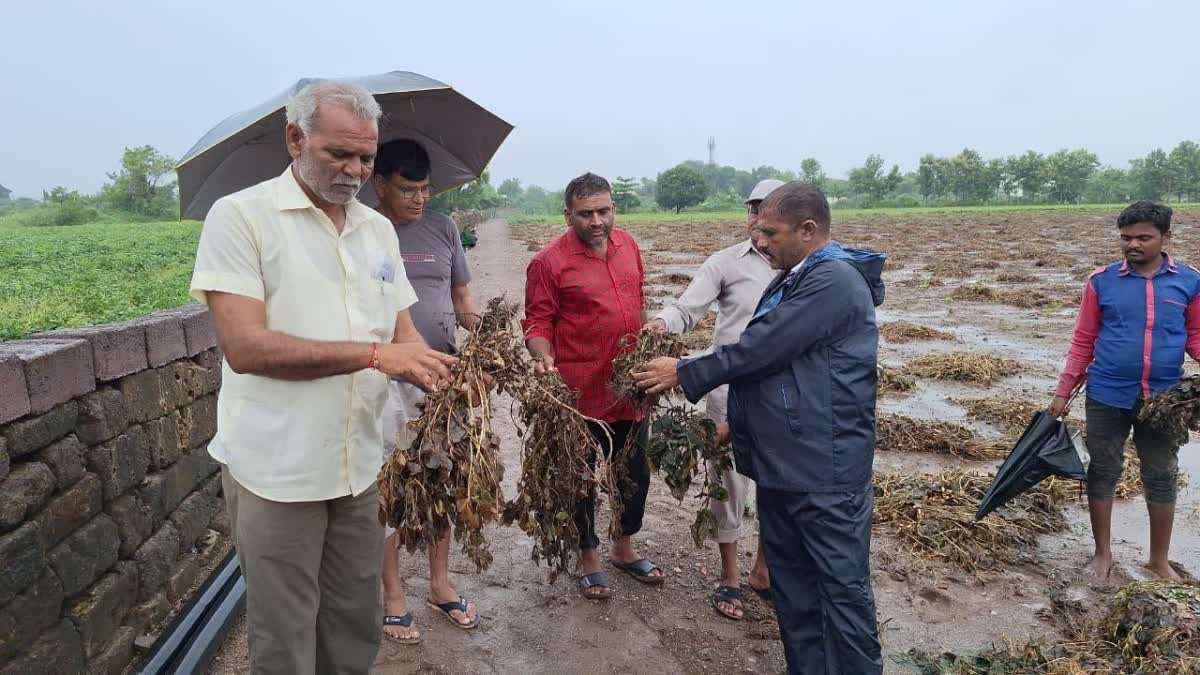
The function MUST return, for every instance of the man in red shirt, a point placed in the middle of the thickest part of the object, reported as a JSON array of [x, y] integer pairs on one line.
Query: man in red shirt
[[583, 299]]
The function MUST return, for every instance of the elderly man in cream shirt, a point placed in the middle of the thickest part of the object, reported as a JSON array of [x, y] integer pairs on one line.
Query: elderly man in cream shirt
[[309, 298], [734, 278]]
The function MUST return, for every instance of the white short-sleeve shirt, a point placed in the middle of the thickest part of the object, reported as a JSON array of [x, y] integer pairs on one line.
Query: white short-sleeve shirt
[[318, 439]]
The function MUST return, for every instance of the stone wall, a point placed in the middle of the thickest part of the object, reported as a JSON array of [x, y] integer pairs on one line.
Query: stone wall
[[109, 502]]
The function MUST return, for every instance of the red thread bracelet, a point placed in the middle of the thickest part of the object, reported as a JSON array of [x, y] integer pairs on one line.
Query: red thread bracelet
[[374, 361]]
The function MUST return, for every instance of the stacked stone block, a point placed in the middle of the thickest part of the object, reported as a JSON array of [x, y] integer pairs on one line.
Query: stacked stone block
[[107, 491]]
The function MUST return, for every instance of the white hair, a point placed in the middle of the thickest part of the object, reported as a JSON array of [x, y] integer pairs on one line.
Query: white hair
[[303, 106]]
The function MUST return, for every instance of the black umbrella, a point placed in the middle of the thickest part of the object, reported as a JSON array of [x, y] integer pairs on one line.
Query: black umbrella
[[1045, 449]]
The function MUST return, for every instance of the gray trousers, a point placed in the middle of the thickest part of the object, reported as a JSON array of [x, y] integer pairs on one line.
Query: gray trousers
[[313, 602]]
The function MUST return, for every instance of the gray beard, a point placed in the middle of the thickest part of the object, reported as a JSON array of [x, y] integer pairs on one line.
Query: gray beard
[[310, 174]]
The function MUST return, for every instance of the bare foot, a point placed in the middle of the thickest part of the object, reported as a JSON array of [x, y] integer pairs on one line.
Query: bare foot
[[448, 594], [1100, 566], [760, 579], [396, 605], [1163, 570]]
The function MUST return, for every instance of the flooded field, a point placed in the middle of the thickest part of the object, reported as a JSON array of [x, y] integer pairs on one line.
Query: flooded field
[[1005, 285]]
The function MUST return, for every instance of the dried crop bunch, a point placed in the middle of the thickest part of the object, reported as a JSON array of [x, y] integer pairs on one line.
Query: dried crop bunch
[[963, 367], [557, 470], [899, 433], [648, 345], [905, 331], [1174, 411], [682, 443], [935, 515], [451, 473]]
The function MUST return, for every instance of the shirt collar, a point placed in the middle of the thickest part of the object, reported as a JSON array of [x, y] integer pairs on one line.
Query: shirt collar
[[1168, 265], [289, 196]]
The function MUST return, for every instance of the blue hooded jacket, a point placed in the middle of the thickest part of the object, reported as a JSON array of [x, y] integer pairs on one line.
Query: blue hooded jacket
[[802, 378]]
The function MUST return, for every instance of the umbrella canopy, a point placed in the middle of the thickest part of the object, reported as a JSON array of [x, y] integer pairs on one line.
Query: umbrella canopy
[[1045, 449], [249, 147]]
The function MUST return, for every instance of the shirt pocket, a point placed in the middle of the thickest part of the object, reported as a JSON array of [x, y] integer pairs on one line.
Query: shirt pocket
[[382, 298]]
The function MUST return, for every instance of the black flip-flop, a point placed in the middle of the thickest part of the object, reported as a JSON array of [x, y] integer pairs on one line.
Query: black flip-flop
[[727, 594], [405, 621], [593, 580], [461, 605], [640, 569]]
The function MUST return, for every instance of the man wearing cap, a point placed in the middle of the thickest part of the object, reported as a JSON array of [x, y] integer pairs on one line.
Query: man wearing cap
[[735, 279]]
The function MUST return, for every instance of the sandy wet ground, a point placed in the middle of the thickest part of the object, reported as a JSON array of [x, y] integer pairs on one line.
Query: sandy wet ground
[[531, 626]]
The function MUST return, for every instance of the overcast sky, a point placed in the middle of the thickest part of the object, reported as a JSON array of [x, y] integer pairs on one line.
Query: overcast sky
[[616, 87]]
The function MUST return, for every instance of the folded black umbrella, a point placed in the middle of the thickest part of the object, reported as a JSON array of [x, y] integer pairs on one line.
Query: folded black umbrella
[[1044, 450]]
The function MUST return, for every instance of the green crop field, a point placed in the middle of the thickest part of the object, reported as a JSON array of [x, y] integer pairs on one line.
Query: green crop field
[[59, 277]]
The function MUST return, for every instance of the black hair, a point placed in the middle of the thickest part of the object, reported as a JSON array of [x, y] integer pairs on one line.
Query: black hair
[[797, 202], [585, 186], [1146, 211], [403, 156]]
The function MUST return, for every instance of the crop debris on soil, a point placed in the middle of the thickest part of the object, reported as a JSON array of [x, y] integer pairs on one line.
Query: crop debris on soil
[[1011, 414], [963, 367], [1016, 277], [450, 475], [1150, 627], [894, 380], [898, 433], [905, 331], [1025, 299], [701, 335], [934, 515]]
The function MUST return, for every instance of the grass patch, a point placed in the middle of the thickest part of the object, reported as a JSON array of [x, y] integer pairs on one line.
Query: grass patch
[[905, 331], [963, 367], [62, 277]]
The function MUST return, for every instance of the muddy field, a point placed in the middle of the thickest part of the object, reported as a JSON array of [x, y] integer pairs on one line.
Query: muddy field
[[989, 303]]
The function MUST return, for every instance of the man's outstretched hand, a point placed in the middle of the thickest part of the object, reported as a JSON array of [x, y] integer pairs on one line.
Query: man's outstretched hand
[[416, 363], [658, 376]]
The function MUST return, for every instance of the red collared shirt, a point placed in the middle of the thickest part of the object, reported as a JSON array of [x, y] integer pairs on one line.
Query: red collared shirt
[[588, 308]]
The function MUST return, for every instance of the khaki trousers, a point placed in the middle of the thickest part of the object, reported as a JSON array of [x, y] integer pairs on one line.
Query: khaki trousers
[[313, 603], [740, 489]]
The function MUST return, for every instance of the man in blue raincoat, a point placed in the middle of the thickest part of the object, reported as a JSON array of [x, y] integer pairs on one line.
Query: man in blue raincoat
[[802, 382]]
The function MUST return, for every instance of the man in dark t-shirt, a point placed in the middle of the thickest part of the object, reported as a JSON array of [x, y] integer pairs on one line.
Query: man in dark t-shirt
[[431, 248]]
